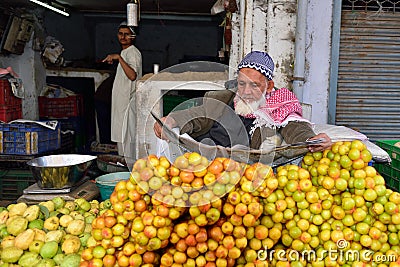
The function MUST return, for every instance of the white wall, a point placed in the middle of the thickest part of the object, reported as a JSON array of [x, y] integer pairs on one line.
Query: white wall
[[30, 69], [318, 58]]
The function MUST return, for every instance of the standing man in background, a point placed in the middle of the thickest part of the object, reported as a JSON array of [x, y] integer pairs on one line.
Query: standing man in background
[[129, 70]]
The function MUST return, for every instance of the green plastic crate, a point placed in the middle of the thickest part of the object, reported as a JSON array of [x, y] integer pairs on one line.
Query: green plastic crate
[[391, 172], [391, 175], [13, 183]]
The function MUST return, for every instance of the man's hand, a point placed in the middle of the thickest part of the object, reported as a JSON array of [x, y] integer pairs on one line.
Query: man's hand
[[110, 58], [321, 147], [170, 122]]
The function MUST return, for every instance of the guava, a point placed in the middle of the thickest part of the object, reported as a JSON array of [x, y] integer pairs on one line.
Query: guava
[[49, 250], [29, 259], [51, 223], [59, 258], [46, 263], [24, 239], [83, 204], [3, 232], [39, 234], [32, 213], [17, 209], [76, 227], [71, 260], [59, 202], [89, 218], [84, 239], [70, 205], [4, 216], [35, 246], [71, 245], [56, 235], [63, 210], [11, 254], [17, 225]]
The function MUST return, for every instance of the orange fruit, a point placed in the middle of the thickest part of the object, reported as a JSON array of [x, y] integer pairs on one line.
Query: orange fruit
[[357, 144], [250, 173], [229, 164], [186, 177], [216, 167]]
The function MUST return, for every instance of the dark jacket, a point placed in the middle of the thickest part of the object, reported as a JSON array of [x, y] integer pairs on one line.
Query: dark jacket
[[199, 120]]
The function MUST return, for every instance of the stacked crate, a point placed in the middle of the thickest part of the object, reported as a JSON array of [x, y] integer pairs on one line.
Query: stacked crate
[[13, 182], [28, 139], [391, 172], [69, 112], [10, 105], [19, 142]]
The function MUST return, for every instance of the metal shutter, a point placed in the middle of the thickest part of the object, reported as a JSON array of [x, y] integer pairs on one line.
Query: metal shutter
[[368, 92]]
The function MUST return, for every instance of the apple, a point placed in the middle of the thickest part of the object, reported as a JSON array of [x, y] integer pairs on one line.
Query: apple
[[191, 240], [201, 236], [192, 252], [164, 233], [241, 209], [221, 252], [228, 242], [236, 220], [182, 230], [202, 247], [150, 231]]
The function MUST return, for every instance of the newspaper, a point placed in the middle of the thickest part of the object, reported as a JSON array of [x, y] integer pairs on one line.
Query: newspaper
[[237, 152], [48, 124], [245, 154]]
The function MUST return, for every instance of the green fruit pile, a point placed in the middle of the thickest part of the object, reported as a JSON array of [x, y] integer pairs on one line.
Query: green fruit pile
[[51, 233]]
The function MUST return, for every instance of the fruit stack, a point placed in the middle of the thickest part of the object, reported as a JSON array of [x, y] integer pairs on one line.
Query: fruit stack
[[333, 210], [47, 234], [225, 213]]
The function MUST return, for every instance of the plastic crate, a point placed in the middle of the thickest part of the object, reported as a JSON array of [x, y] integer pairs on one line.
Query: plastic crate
[[391, 172], [6, 95], [74, 124], [391, 175], [28, 139], [10, 113], [71, 106], [13, 182]]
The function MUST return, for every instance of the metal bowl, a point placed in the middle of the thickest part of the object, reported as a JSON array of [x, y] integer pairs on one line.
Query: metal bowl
[[60, 171]]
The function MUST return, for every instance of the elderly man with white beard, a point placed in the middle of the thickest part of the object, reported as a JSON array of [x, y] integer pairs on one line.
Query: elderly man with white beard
[[252, 114]]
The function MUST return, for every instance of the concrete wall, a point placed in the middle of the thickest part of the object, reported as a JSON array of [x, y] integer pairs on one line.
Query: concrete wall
[[318, 58], [30, 69], [74, 33], [270, 26], [89, 38], [165, 42]]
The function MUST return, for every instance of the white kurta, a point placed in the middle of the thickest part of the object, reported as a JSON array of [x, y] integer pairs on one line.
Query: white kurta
[[123, 92]]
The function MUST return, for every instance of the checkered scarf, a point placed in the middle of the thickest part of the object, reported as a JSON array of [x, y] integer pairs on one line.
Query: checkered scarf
[[281, 107]]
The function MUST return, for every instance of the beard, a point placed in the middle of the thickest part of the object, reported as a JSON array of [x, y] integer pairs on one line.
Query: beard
[[244, 108]]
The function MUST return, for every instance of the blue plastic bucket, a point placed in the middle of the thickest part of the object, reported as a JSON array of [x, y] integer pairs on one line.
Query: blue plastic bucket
[[106, 183]]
